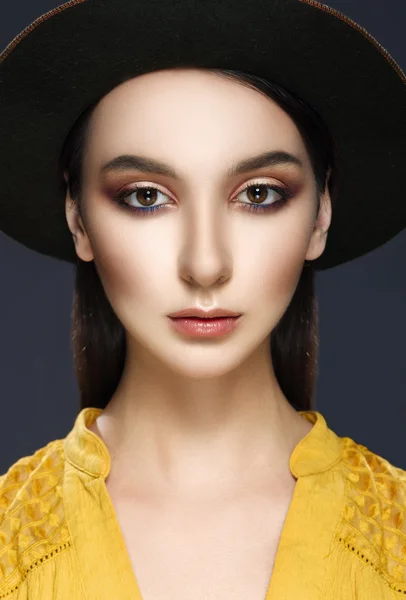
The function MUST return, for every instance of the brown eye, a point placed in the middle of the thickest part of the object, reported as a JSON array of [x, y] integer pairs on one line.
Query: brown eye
[[145, 195], [258, 193]]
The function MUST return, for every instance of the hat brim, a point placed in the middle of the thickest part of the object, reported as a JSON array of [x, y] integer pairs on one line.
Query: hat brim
[[78, 52]]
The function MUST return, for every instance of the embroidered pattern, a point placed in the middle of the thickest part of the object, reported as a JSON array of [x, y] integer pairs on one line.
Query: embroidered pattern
[[32, 519], [374, 524]]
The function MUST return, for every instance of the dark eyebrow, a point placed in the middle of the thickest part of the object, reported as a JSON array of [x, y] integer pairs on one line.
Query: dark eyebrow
[[148, 165]]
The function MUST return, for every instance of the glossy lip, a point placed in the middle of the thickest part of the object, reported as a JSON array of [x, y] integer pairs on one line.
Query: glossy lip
[[203, 314], [197, 327]]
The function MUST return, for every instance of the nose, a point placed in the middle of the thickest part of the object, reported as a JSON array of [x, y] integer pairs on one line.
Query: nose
[[205, 257]]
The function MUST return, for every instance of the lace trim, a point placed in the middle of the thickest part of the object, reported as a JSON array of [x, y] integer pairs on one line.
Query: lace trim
[[37, 562], [374, 520]]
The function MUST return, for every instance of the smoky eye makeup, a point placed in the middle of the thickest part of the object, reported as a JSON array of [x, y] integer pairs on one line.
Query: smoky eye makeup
[[255, 197]]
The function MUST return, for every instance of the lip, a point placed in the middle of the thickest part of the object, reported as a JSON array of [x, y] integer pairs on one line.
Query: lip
[[203, 314], [207, 327]]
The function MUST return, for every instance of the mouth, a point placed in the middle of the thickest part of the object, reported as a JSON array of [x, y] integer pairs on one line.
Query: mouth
[[205, 326]]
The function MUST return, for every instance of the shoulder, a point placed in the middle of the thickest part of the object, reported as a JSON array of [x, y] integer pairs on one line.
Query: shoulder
[[373, 524], [32, 520]]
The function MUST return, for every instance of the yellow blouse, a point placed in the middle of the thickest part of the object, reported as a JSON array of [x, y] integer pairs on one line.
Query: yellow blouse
[[344, 536]]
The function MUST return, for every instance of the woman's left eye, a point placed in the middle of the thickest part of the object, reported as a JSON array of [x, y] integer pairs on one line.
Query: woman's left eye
[[258, 194]]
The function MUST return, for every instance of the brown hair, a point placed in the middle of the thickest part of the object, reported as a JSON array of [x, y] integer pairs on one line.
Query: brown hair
[[98, 337]]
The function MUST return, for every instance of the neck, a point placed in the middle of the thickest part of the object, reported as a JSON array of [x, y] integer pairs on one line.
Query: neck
[[167, 432]]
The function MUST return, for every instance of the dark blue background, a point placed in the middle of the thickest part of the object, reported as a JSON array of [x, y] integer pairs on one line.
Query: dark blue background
[[361, 389]]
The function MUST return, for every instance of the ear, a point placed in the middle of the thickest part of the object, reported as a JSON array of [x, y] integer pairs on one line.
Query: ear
[[77, 228], [318, 238]]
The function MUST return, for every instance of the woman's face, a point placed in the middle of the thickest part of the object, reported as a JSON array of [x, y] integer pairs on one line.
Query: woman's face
[[204, 247]]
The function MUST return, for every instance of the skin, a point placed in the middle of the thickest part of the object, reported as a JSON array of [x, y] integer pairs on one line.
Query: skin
[[197, 416]]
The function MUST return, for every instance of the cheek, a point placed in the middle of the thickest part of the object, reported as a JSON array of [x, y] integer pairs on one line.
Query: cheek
[[280, 279], [132, 262], [273, 264]]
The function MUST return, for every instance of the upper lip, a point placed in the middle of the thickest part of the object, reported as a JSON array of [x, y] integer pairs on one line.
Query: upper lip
[[204, 314]]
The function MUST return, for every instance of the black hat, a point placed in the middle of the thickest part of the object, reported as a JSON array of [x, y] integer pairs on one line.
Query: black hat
[[76, 53]]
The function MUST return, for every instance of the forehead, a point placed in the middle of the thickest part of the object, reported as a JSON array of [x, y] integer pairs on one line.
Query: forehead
[[189, 112]]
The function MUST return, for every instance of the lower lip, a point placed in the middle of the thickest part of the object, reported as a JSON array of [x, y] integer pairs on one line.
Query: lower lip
[[195, 327]]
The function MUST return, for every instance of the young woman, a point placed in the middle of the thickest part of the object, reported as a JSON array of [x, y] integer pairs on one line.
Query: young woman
[[198, 164]]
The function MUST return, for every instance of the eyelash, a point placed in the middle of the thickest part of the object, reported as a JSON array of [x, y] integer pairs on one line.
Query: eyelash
[[286, 195]]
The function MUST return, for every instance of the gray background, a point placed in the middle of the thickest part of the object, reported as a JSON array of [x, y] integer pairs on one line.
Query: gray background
[[361, 389]]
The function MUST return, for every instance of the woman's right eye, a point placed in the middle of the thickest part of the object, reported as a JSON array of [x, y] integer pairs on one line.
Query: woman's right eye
[[148, 195]]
